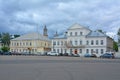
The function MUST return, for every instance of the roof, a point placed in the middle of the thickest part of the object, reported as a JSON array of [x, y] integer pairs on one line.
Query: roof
[[60, 37], [32, 36], [96, 34], [77, 26]]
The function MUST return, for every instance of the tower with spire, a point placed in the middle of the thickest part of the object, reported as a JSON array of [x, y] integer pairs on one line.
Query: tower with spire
[[56, 34], [45, 31]]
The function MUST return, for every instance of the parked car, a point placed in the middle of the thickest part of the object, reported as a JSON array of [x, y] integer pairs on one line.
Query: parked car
[[93, 55], [65, 54], [107, 55], [52, 54], [89, 55], [60, 54], [76, 55], [7, 53], [1, 53]]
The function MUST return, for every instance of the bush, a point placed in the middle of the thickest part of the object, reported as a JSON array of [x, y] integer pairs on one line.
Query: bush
[[5, 49]]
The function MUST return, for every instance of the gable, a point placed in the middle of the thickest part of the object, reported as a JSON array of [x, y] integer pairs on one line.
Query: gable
[[76, 26]]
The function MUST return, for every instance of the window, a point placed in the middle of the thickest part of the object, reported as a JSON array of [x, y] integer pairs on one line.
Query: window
[[65, 51], [12, 50], [70, 33], [61, 42], [54, 50], [30, 44], [45, 44], [92, 42], [102, 51], [87, 42], [26, 43], [102, 42], [58, 50], [17, 44], [87, 51], [81, 33], [23, 43], [58, 43], [35, 50], [32, 50], [97, 51], [20, 50], [75, 33], [70, 51], [80, 42], [96, 42], [54, 43], [76, 43], [91, 50], [80, 50], [61, 50]]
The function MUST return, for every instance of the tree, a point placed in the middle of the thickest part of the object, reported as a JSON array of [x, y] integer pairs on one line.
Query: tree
[[99, 30], [16, 35], [5, 49], [115, 46], [5, 39]]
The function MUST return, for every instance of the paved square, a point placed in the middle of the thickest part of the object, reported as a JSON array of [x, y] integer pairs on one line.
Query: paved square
[[58, 68]]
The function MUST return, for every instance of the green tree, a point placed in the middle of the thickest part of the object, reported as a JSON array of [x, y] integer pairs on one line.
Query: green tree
[[5, 39], [101, 31], [16, 35], [115, 46], [5, 48]]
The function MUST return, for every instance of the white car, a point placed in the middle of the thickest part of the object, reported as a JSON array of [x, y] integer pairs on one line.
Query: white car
[[52, 53]]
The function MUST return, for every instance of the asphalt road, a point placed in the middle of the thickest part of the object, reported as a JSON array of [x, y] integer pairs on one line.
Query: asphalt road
[[58, 68]]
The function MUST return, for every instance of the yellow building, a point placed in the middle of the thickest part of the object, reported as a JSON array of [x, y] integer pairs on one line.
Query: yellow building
[[33, 43]]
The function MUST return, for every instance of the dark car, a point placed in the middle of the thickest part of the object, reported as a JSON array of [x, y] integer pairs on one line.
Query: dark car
[[107, 55], [1, 53], [7, 53], [89, 55], [65, 54]]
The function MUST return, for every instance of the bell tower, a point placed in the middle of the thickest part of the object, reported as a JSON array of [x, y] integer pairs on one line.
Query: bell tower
[[45, 31]]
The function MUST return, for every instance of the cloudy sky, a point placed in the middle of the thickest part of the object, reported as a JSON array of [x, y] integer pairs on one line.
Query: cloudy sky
[[23, 16]]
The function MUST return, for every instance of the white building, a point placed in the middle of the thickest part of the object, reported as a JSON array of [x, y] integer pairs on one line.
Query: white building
[[80, 40]]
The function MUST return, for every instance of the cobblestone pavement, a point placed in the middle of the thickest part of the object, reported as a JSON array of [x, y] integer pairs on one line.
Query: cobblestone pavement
[[58, 68]]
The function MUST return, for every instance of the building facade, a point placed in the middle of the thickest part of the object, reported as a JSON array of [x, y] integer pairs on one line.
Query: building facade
[[33, 43], [80, 40]]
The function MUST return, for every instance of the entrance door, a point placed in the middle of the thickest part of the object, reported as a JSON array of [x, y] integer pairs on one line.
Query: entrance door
[[75, 51]]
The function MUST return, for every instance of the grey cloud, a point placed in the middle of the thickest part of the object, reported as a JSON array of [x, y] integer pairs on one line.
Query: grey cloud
[[58, 14]]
